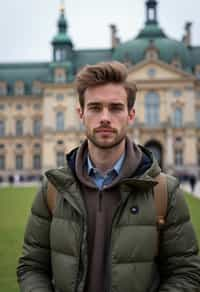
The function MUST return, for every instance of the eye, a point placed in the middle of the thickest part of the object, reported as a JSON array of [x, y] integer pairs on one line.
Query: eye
[[116, 107], [94, 107]]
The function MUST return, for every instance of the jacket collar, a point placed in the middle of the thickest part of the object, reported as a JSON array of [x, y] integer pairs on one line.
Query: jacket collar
[[65, 180]]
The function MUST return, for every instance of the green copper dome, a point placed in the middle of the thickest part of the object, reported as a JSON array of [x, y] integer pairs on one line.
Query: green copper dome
[[168, 49], [62, 38]]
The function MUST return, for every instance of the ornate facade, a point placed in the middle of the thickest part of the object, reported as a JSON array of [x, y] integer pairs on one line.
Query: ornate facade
[[38, 121]]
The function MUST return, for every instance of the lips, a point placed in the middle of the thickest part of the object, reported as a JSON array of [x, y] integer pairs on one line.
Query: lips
[[104, 130]]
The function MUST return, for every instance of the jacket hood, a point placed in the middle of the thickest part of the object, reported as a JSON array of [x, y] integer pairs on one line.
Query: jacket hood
[[149, 167], [145, 173]]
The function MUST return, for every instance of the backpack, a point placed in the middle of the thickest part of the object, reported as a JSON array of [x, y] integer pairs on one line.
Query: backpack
[[160, 198]]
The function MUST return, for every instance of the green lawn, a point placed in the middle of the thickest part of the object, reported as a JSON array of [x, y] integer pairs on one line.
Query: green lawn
[[14, 208], [194, 206]]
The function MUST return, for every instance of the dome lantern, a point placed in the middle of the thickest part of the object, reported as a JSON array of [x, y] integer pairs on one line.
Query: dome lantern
[[151, 12], [62, 43]]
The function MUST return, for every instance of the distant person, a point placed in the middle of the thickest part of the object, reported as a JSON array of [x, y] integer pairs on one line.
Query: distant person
[[192, 180], [11, 179], [16, 178], [99, 234]]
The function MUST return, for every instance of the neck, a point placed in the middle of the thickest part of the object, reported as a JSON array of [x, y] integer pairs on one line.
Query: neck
[[104, 159]]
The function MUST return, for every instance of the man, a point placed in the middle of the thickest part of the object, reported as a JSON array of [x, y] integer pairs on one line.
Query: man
[[102, 235]]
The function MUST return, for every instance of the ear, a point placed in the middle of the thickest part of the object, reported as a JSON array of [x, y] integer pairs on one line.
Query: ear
[[131, 115], [79, 111]]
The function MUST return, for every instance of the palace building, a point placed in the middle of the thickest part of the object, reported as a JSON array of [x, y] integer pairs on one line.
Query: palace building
[[38, 120]]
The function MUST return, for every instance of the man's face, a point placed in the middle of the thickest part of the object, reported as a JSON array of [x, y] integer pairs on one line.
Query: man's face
[[105, 115]]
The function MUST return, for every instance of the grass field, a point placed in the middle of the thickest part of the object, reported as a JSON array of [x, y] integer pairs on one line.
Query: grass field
[[14, 208]]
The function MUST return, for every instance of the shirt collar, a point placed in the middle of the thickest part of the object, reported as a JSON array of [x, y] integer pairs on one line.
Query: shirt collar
[[117, 166]]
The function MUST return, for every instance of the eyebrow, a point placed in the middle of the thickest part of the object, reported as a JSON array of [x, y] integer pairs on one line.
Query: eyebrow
[[109, 104], [93, 103]]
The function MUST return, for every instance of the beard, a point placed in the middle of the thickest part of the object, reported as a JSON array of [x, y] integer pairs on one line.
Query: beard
[[103, 143]]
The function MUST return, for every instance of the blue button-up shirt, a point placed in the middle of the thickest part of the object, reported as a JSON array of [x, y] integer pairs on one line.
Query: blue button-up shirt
[[103, 180]]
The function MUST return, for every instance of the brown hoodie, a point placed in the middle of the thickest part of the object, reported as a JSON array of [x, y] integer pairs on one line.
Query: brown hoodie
[[100, 206]]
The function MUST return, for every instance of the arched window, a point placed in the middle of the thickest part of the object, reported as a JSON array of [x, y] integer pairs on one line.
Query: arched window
[[60, 159], [60, 54], [179, 157], [2, 128], [19, 128], [198, 118], [152, 109], [178, 118], [2, 162], [60, 121], [36, 161], [19, 162], [36, 127]]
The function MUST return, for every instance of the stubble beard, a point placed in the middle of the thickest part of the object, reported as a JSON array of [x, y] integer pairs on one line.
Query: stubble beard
[[103, 145]]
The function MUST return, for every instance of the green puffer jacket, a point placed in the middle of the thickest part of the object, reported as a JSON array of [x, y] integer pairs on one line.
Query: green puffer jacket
[[55, 249]]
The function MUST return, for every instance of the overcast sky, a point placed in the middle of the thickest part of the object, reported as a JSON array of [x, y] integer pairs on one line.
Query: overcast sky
[[28, 26]]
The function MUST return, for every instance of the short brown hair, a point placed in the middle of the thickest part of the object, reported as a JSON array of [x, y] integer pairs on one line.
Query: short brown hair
[[101, 74]]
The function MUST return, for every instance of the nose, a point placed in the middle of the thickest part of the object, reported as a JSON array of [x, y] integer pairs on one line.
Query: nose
[[105, 116]]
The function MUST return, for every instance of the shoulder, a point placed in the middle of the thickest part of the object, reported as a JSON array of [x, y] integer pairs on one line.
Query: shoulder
[[172, 183]]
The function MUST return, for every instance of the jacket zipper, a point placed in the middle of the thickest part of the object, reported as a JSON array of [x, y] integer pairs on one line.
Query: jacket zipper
[[108, 267], [100, 200]]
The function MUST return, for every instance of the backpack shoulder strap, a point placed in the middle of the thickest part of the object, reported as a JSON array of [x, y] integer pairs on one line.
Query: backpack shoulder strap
[[51, 197], [161, 198]]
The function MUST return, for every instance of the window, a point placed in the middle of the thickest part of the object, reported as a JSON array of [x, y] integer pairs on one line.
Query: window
[[151, 72], [197, 71], [2, 128], [60, 125], [60, 97], [178, 118], [19, 128], [2, 162], [60, 142], [37, 106], [36, 89], [60, 75], [178, 139], [37, 146], [36, 127], [177, 92], [60, 159], [19, 146], [19, 88], [60, 54], [19, 162], [2, 107], [177, 63], [19, 107], [178, 157], [60, 78], [198, 118], [3, 89], [36, 161], [151, 52], [152, 109]]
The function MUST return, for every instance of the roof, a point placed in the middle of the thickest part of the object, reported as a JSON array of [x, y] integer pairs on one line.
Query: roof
[[84, 57], [168, 49], [194, 56], [27, 72]]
